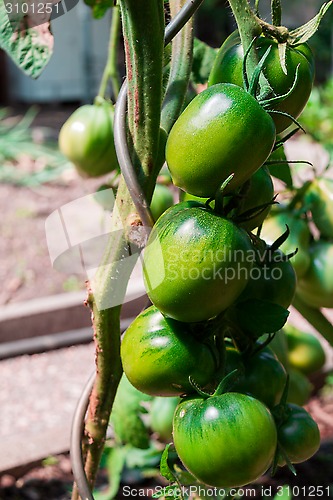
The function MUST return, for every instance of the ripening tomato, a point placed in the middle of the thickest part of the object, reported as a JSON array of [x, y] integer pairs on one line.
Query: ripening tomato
[[223, 131], [229, 63], [319, 198], [224, 441], [196, 263], [262, 376], [298, 435], [162, 200], [305, 350], [159, 355], [86, 139]]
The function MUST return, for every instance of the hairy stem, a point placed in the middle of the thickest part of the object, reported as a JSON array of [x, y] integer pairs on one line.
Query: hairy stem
[[249, 27], [111, 68], [180, 70]]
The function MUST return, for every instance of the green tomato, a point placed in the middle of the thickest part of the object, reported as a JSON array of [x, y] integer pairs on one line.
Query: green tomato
[[305, 350], [316, 286], [224, 130], [162, 200], [299, 237], [228, 68], [263, 376], [300, 387], [161, 417], [196, 263], [298, 435], [260, 191], [86, 139], [224, 441], [159, 355], [274, 281], [319, 197]]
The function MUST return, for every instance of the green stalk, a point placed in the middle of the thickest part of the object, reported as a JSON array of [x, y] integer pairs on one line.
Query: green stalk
[[180, 70], [144, 52], [316, 318], [249, 27], [143, 30], [111, 68]]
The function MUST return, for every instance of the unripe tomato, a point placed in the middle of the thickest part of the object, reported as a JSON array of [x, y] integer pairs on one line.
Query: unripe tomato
[[86, 139], [196, 263], [305, 350], [224, 130], [228, 68], [162, 199], [260, 192], [300, 387], [159, 355], [298, 435], [316, 286], [224, 441], [161, 416], [319, 197], [299, 237], [263, 377], [274, 280]]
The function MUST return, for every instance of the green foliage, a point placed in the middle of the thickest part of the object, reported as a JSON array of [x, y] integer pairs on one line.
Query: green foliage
[[317, 118], [203, 60], [99, 7], [29, 47], [16, 140], [127, 415]]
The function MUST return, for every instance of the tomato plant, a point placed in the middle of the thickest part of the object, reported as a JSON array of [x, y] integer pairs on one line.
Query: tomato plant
[[203, 267], [298, 65], [161, 416], [159, 355], [195, 263], [86, 138], [225, 441], [162, 200], [319, 198], [213, 138]]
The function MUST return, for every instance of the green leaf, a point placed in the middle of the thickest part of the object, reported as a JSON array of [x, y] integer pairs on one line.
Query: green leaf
[[164, 467], [142, 459], [203, 59], [304, 32], [260, 316], [99, 7], [115, 465], [28, 45], [126, 415]]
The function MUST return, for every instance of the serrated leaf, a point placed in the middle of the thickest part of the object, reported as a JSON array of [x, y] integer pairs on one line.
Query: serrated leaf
[[282, 48], [99, 7], [305, 32], [26, 41], [203, 60], [260, 316], [126, 415], [138, 458], [164, 467]]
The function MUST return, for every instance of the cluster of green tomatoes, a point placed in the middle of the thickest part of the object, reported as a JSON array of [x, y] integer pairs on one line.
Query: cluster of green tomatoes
[[204, 267]]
